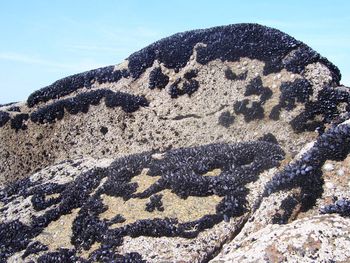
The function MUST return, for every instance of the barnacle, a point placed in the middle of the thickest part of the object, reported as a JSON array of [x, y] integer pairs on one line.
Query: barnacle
[[272, 48], [17, 121], [68, 85], [4, 118], [306, 172], [226, 119], [326, 105], [341, 207], [291, 92], [157, 79], [81, 103]]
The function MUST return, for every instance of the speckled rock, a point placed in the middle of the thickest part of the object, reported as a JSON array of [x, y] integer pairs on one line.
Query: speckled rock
[[322, 238], [285, 222], [192, 144], [225, 84]]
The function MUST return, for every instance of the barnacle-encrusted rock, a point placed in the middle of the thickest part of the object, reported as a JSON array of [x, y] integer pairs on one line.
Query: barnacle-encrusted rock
[[225, 84], [206, 139]]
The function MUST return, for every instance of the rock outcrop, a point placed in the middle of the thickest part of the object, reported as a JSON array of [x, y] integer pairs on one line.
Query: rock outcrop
[[223, 144]]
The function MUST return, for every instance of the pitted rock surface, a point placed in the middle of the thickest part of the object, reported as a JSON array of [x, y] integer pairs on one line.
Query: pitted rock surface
[[225, 84], [106, 205], [196, 142], [313, 239]]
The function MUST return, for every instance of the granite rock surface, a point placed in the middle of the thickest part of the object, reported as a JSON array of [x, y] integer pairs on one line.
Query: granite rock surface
[[227, 144]]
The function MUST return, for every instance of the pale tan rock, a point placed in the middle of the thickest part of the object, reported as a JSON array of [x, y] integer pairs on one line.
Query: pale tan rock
[[167, 122], [314, 239]]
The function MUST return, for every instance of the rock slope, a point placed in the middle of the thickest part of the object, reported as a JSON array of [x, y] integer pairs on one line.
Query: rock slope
[[211, 144]]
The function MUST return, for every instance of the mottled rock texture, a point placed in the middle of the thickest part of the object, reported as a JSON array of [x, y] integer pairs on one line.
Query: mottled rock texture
[[211, 144]]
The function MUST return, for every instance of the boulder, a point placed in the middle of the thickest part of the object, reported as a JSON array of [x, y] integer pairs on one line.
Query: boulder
[[207, 145]]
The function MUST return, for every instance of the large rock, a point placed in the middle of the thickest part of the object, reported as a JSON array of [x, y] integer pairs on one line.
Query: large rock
[[205, 139], [286, 224]]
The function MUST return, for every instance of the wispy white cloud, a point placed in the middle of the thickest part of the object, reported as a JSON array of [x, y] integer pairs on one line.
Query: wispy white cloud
[[12, 56], [119, 34], [108, 38], [146, 32], [32, 60], [324, 24], [317, 34], [283, 25], [94, 47], [332, 41], [128, 36]]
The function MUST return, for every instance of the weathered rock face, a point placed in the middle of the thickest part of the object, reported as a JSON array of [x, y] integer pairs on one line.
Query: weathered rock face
[[198, 139], [226, 84], [312, 239]]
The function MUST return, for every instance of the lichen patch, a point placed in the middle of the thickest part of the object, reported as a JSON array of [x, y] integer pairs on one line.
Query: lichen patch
[[144, 181], [58, 233], [184, 210]]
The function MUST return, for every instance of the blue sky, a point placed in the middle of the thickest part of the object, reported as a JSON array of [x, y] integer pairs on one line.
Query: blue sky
[[42, 41]]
